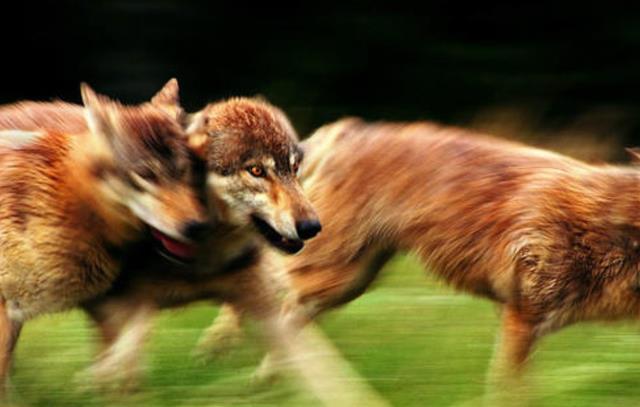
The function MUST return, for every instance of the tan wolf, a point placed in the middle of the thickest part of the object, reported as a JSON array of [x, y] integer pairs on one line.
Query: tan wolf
[[551, 239], [71, 203]]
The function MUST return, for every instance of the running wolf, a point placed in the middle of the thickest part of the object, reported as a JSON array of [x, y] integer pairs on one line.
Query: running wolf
[[551, 239], [70, 204]]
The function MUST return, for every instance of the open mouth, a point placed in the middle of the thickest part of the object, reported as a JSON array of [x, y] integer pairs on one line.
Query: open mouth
[[172, 249], [276, 239]]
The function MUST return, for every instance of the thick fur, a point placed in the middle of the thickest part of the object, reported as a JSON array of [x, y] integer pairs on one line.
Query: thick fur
[[234, 136], [67, 214], [552, 239], [154, 173], [232, 267]]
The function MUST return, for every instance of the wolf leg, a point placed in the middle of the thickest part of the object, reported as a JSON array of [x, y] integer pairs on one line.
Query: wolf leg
[[315, 362], [319, 289], [505, 382], [123, 332], [107, 326], [223, 335], [9, 333]]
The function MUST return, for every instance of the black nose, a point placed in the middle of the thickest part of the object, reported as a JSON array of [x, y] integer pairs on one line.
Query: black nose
[[308, 228], [195, 230]]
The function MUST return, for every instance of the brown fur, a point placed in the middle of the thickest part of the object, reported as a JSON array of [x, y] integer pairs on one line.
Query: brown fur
[[157, 154], [28, 115], [552, 239], [243, 128], [64, 226], [549, 235], [232, 265]]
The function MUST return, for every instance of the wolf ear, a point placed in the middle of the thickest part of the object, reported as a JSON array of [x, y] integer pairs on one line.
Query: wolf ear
[[198, 143], [634, 153], [168, 95], [168, 99], [195, 125], [196, 122], [96, 111]]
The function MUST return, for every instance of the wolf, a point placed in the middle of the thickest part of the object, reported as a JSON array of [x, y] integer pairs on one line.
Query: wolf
[[551, 239], [72, 202]]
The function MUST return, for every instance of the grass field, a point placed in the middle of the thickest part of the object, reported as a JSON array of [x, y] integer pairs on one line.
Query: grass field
[[417, 343]]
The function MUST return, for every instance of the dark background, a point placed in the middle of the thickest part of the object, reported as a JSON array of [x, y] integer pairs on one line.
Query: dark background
[[446, 61]]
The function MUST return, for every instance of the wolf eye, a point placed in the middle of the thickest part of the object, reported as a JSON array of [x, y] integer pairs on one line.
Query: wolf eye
[[295, 167], [148, 175], [143, 178], [256, 171]]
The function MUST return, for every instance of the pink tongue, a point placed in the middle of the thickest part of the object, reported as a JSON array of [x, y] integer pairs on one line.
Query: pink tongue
[[174, 247]]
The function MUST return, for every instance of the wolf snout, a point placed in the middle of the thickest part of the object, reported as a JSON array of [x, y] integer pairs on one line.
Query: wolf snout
[[308, 228], [196, 230]]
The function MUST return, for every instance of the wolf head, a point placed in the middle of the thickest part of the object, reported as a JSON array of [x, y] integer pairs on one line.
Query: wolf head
[[145, 166], [253, 157]]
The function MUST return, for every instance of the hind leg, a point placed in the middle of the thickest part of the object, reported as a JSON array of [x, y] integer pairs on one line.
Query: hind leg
[[505, 384]]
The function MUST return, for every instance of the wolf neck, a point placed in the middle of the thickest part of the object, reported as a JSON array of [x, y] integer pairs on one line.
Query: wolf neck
[[103, 215]]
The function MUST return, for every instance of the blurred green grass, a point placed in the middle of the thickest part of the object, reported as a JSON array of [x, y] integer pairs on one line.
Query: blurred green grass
[[415, 340]]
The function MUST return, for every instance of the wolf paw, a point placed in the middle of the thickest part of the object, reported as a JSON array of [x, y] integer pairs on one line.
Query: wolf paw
[[216, 343], [266, 374], [107, 379]]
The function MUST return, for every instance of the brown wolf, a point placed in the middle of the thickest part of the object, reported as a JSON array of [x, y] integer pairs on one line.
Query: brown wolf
[[71, 203], [552, 239]]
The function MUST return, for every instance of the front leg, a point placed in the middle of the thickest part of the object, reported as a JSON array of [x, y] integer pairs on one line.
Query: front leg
[[319, 288], [224, 334], [294, 316], [505, 382], [124, 331], [9, 333], [308, 354]]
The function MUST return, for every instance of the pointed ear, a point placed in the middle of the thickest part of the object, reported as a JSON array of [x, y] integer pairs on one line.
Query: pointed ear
[[168, 99], [196, 122], [168, 95], [195, 125], [634, 153], [96, 110], [198, 143]]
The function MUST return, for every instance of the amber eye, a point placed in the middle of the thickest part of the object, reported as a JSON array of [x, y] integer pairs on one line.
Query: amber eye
[[256, 171]]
